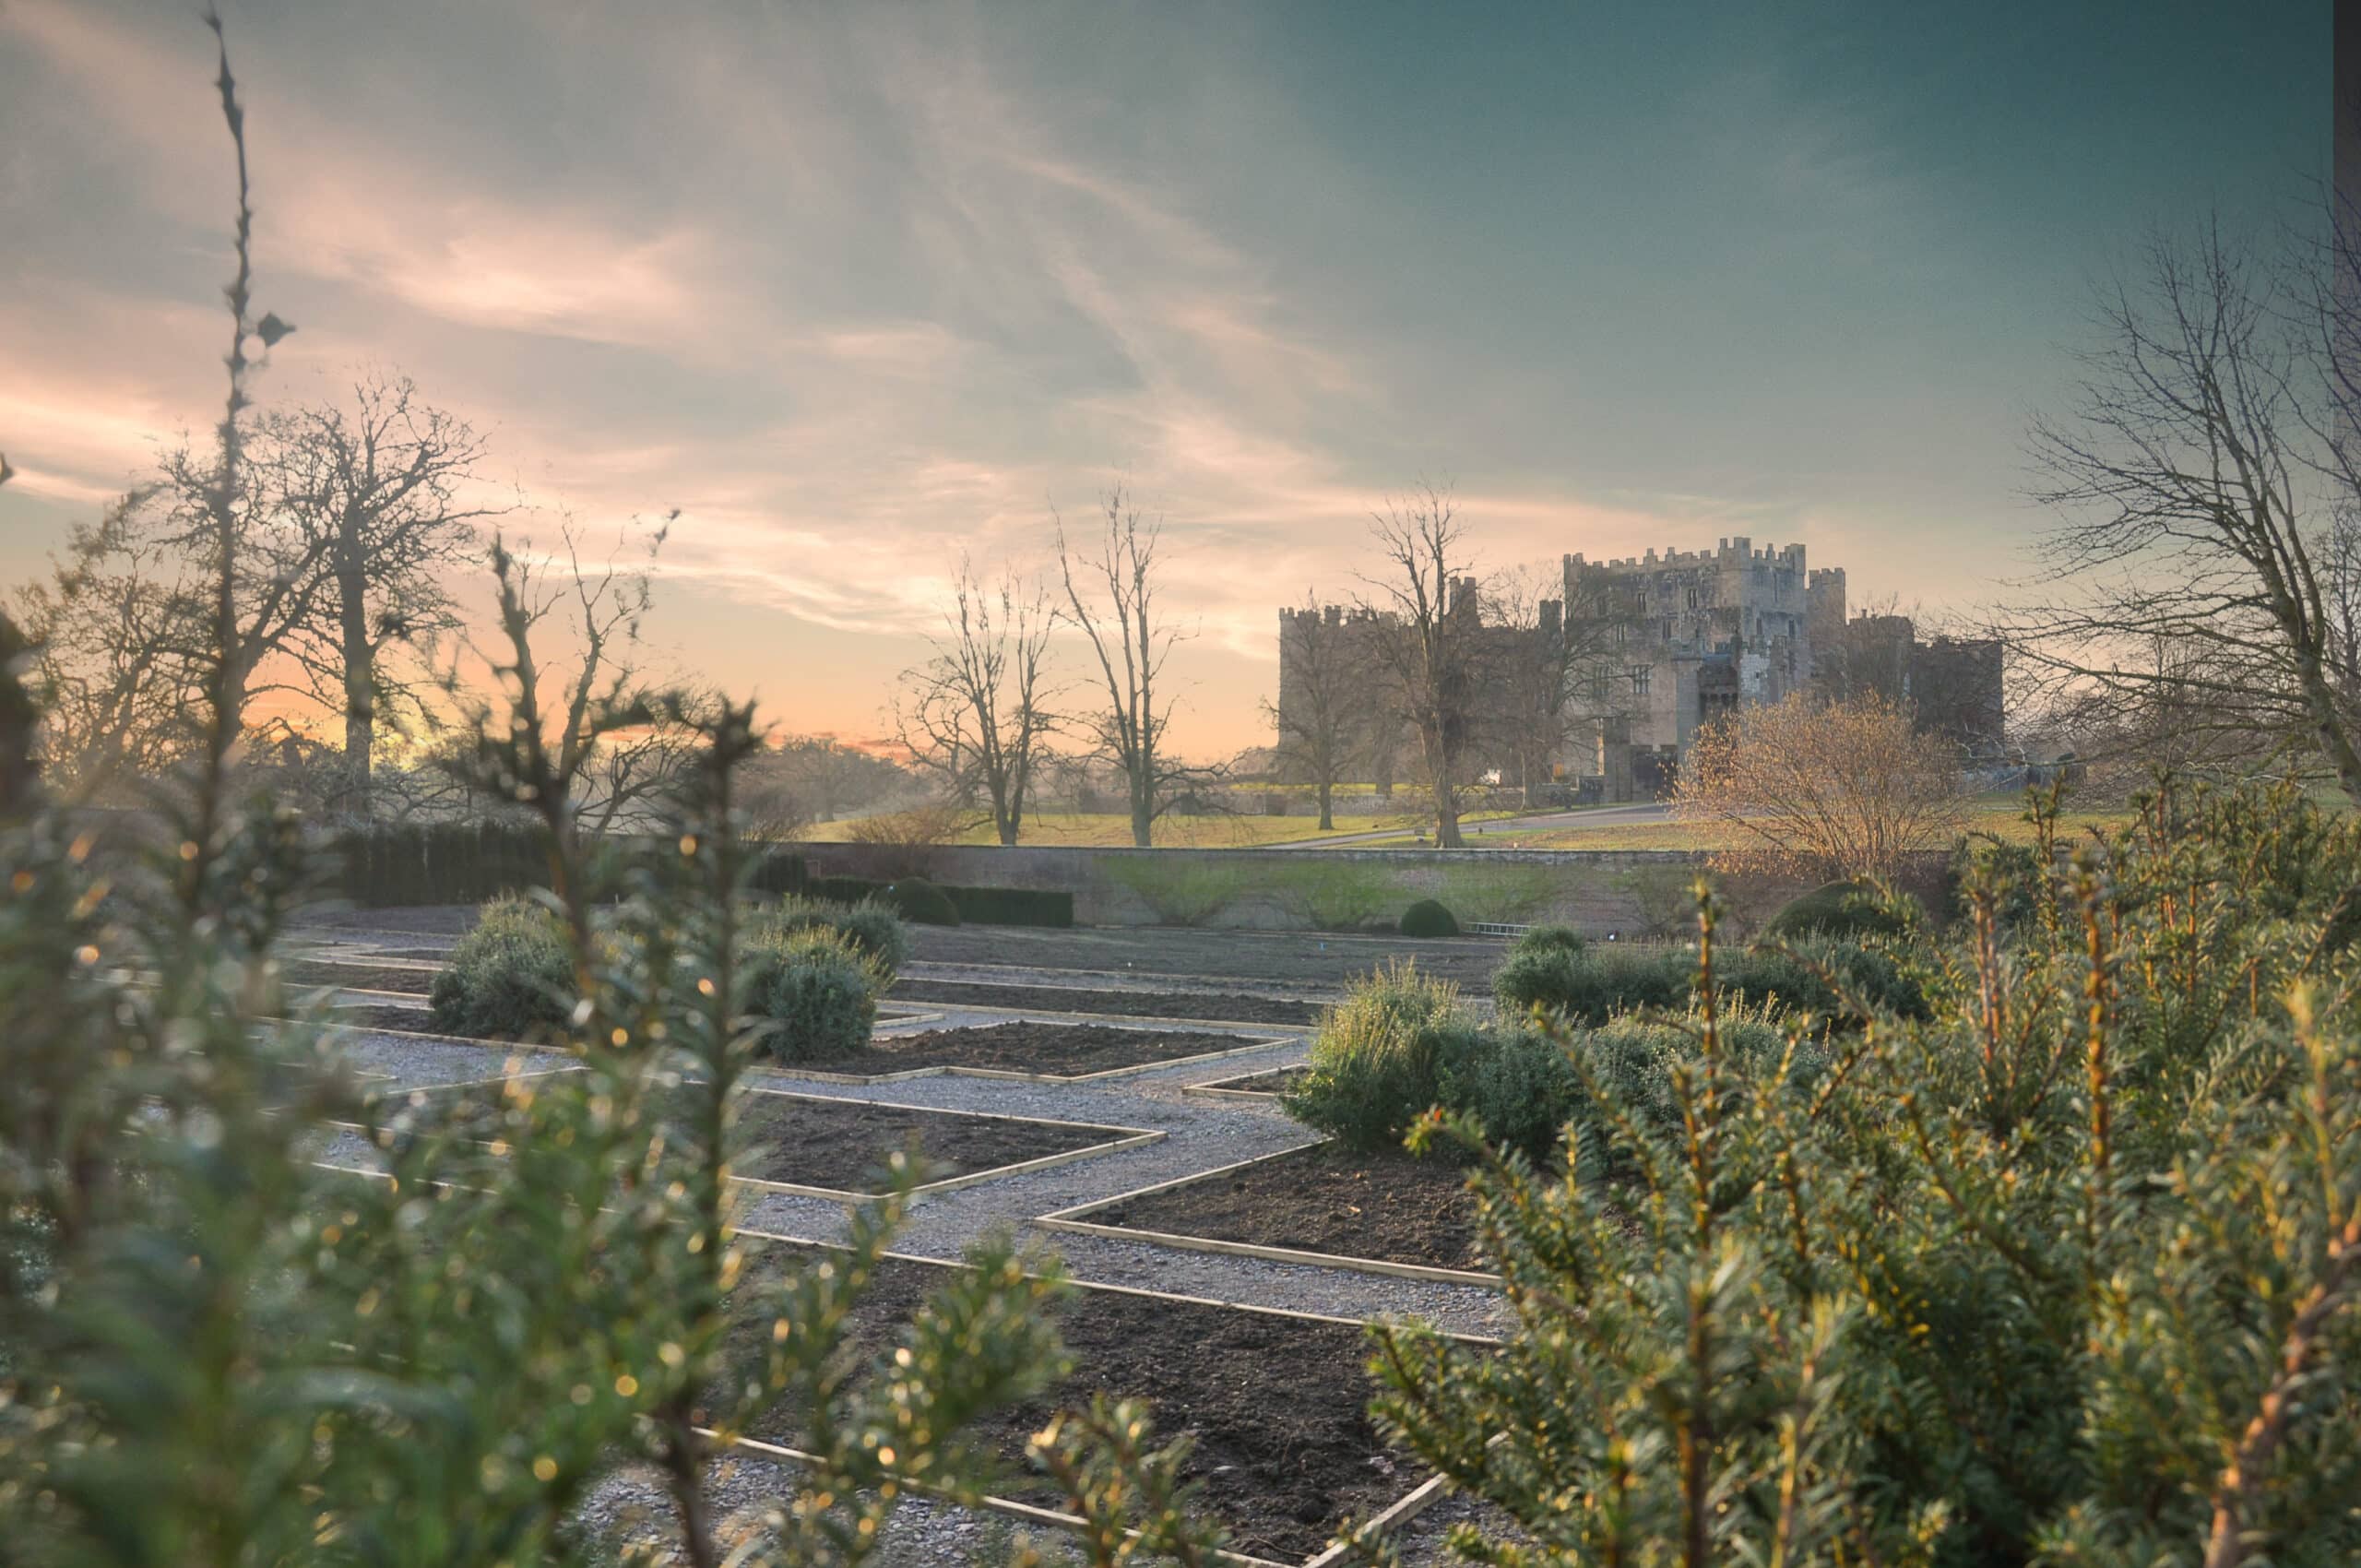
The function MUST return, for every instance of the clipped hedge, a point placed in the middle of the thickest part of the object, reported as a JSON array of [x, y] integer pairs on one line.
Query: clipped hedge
[[1012, 906], [439, 862], [976, 906], [919, 900], [1591, 986], [1428, 917]]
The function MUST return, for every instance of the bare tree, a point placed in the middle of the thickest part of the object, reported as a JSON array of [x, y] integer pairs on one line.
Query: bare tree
[[113, 669], [1429, 641], [1327, 691], [777, 807], [372, 494], [616, 743], [1827, 791], [975, 713], [1550, 658], [832, 779], [2198, 473], [1110, 598], [343, 526]]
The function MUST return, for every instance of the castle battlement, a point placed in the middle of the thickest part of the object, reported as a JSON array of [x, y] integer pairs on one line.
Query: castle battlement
[[1728, 551], [1687, 637]]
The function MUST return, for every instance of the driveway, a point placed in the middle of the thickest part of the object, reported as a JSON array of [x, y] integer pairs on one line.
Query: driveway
[[1589, 816]]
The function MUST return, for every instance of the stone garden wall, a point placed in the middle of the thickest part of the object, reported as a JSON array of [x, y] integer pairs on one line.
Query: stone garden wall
[[1632, 892]]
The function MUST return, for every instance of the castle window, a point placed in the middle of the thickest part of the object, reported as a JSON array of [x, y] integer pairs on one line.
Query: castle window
[[1640, 675]]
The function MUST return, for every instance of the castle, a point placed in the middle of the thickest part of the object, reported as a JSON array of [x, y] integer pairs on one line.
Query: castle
[[1691, 637]]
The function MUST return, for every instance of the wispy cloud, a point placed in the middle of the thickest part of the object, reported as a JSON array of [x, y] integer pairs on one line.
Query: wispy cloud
[[858, 288]]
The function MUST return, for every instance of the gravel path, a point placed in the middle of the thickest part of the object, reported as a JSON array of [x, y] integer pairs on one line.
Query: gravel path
[[1201, 1133]]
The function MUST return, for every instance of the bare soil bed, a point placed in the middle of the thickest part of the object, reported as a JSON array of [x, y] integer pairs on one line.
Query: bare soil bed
[[1063, 1050], [843, 1145], [1285, 1449], [839, 1145], [1389, 1207], [382, 1015], [1270, 1082], [307, 972], [1226, 1008]]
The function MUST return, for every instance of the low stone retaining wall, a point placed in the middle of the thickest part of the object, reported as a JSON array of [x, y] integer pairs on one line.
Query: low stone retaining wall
[[1635, 893]]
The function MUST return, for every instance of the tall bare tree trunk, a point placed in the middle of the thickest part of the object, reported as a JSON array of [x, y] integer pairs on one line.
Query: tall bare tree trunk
[[360, 658]]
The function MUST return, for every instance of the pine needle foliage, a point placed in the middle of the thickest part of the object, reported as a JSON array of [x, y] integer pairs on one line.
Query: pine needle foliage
[[2067, 1271]]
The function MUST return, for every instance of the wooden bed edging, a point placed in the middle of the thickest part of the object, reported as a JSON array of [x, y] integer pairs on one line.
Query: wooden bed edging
[[822, 1076], [1071, 1221], [1129, 1138], [1126, 1138], [1010, 1074], [1218, 1087], [1028, 1512]]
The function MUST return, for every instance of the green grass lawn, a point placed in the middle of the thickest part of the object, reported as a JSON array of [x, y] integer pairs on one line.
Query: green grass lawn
[[1113, 830], [2001, 816]]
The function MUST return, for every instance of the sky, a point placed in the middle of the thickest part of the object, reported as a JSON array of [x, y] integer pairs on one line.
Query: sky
[[858, 288]]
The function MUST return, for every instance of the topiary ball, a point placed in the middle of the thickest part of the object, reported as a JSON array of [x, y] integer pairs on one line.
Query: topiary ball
[[921, 901], [1837, 908], [1427, 917]]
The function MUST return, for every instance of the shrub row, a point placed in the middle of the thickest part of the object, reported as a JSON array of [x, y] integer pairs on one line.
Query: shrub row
[[814, 973], [473, 863], [1590, 985], [1401, 1042], [973, 906], [439, 862]]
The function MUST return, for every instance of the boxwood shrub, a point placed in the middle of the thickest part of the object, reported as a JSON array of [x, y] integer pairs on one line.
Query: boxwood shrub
[[920, 900], [1372, 1067], [872, 926], [816, 992], [1428, 917], [1549, 939], [1595, 984], [1850, 909], [510, 977]]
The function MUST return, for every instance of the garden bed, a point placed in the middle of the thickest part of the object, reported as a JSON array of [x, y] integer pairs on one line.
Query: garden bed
[[1224, 1007], [1254, 1086], [1028, 1049], [385, 1015], [1284, 1451], [841, 1145], [1387, 1214], [311, 973], [816, 1146]]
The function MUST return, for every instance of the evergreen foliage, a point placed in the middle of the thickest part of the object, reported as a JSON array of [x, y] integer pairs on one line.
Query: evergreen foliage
[[2064, 1271], [1549, 939], [509, 978], [872, 926], [1428, 917], [1372, 1070], [817, 991], [1851, 910], [921, 901], [1822, 976], [213, 1350]]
